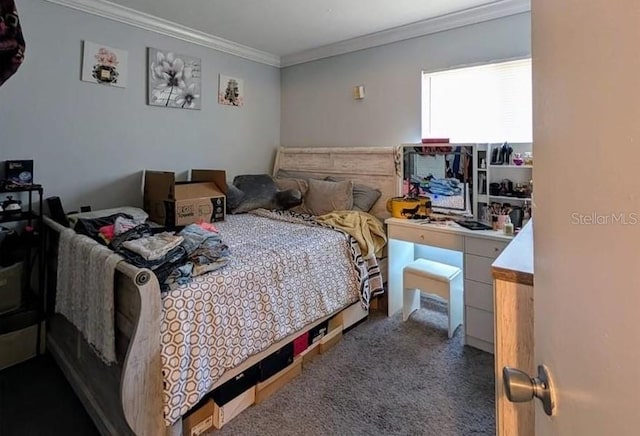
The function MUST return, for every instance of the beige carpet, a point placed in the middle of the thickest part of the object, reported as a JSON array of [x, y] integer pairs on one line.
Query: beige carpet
[[385, 377]]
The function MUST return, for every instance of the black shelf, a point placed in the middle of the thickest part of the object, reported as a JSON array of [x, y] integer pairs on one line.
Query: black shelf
[[15, 217], [25, 188], [32, 310]]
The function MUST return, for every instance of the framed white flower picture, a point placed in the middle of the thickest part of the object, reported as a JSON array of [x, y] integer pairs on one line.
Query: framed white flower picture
[[104, 65], [174, 80], [230, 91]]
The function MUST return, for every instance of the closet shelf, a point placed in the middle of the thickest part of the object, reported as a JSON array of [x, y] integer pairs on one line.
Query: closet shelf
[[506, 197]]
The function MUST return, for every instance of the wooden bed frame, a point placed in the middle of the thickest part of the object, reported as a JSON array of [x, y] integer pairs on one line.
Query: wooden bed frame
[[127, 398]]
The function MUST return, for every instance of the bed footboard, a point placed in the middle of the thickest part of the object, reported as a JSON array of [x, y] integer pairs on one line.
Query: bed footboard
[[138, 305], [127, 397]]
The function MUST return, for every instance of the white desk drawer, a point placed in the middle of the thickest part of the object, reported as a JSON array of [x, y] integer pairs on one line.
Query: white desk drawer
[[483, 247], [479, 295], [479, 324], [426, 237], [478, 268]]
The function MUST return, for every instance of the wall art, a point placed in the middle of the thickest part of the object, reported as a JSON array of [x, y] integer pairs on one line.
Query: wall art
[[104, 65], [230, 91], [174, 80]]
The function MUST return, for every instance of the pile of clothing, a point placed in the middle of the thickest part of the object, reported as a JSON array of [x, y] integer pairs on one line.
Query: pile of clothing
[[174, 258]]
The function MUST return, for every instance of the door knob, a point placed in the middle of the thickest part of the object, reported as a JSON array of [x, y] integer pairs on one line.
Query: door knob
[[520, 388]]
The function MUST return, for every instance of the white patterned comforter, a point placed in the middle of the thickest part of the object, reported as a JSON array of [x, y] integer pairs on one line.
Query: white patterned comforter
[[281, 277]]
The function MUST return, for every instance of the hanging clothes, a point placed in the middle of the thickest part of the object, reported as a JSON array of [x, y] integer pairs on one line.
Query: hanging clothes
[[11, 40]]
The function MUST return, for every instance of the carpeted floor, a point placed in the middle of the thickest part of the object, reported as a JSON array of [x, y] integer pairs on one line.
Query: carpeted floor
[[36, 400], [385, 377]]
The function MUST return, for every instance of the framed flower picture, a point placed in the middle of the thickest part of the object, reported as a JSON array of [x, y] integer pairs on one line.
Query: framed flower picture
[[230, 91], [104, 65], [174, 80]]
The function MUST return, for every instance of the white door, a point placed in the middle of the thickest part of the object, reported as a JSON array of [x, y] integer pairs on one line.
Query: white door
[[586, 81]]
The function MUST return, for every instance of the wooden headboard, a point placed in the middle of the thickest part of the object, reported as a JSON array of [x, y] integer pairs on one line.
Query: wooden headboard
[[373, 166]]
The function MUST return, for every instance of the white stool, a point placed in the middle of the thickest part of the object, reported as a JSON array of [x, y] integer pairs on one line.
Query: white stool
[[431, 277]]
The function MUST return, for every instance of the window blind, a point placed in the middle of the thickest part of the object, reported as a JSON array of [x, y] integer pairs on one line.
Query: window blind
[[488, 103]]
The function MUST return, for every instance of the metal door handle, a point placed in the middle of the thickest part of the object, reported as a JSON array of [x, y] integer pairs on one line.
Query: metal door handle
[[519, 387]]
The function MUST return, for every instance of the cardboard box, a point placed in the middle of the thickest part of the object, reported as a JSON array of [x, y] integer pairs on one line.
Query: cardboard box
[[300, 344], [270, 386], [317, 332], [310, 353], [330, 339], [175, 204], [223, 414], [200, 420], [233, 388], [20, 345], [275, 362], [10, 287]]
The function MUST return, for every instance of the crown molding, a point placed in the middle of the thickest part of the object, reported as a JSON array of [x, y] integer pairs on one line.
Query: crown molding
[[478, 14], [123, 14]]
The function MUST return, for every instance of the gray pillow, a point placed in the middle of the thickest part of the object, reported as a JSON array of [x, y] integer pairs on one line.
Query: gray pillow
[[300, 184], [260, 191], [234, 197], [288, 199], [364, 197], [324, 196]]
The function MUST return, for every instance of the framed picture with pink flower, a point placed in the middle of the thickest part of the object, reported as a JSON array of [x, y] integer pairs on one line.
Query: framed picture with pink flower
[[104, 65], [174, 80]]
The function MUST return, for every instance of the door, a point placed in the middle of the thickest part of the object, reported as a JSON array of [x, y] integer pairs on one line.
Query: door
[[586, 87]]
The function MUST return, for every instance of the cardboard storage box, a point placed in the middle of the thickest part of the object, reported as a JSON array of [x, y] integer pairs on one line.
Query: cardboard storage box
[[310, 353], [300, 344], [223, 414], [20, 345], [10, 287], [330, 339], [270, 386], [231, 389], [275, 362], [176, 204], [200, 420], [317, 332]]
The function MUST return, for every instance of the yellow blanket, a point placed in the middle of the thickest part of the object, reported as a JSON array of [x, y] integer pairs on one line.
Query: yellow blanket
[[365, 228]]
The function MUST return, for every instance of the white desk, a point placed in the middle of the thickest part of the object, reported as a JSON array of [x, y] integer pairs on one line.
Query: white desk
[[479, 249]]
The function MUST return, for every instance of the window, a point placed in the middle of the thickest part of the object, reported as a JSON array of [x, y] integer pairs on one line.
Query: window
[[488, 103]]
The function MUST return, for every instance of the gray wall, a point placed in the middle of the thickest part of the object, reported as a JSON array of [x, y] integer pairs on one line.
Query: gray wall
[[317, 106], [90, 142]]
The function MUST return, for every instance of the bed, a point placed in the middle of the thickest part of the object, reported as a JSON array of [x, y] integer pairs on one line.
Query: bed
[[130, 397]]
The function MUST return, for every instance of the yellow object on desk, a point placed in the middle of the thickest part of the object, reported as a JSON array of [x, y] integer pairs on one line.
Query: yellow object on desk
[[401, 207], [407, 207]]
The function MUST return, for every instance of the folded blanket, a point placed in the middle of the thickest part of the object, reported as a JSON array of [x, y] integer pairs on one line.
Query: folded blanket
[[84, 296], [365, 228], [154, 247]]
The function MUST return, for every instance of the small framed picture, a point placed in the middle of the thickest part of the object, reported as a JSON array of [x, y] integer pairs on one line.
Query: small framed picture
[[230, 91], [104, 65]]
